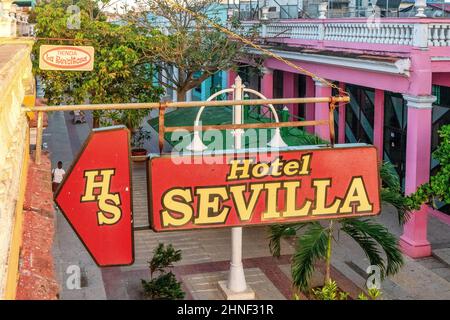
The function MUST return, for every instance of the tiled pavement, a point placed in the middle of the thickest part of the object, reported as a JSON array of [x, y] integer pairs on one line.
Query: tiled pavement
[[206, 252]]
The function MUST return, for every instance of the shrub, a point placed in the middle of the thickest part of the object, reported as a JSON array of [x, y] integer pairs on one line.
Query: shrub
[[165, 285]]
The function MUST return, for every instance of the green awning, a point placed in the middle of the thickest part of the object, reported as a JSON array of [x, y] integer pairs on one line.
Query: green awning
[[25, 3]]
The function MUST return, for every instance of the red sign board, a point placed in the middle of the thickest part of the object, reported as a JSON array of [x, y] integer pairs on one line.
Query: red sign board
[[204, 191], [95, 197]]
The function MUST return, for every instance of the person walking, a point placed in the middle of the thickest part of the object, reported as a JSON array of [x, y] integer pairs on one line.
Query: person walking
[[57, 176]]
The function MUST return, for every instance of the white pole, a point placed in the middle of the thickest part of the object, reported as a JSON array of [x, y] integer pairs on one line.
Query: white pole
[[236, 279]]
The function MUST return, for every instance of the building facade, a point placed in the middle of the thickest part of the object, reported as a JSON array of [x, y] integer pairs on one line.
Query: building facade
[[397, 73]]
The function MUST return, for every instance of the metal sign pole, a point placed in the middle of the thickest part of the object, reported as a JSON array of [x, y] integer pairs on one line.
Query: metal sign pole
[[236, 279]]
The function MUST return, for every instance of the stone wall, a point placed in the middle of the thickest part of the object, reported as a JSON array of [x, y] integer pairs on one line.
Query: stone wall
[[16, 82], [36, 271]]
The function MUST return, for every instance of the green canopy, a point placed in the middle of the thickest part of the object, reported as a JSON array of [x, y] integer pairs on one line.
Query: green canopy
[[25, 3]]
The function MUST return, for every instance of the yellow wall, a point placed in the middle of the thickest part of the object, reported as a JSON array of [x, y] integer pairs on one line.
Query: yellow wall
[[16, 87]]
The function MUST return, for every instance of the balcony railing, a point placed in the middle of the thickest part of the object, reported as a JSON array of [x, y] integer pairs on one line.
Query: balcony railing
[[399, 32]]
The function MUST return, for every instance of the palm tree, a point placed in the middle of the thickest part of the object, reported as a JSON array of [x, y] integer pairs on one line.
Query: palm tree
[[315, 243]]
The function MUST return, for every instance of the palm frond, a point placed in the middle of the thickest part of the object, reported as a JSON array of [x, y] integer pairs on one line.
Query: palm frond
[[389, 176], [367, 233], [400, 203], [279, 231], [311, 246]]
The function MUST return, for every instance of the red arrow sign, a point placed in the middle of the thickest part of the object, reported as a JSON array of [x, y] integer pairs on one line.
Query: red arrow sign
[[95, 197]]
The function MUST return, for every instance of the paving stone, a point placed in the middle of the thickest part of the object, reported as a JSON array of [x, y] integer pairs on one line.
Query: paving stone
[[205, 286], [443, 255], [421, 282], [202, 245]]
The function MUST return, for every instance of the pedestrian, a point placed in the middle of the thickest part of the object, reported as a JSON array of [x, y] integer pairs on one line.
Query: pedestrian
[[57, 176]]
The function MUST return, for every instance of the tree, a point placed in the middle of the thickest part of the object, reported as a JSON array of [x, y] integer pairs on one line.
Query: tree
[[186, 43], [315, 244], [121, 74]]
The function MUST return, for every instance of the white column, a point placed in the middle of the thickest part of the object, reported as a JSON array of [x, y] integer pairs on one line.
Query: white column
[[189, 95], [236, 286], [236, 280], [174, 92]]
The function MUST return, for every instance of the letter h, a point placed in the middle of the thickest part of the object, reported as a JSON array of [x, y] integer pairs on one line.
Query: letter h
[[91, 184]]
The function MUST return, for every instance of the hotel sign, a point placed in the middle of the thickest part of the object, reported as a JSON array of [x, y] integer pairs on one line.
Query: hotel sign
[[95, 197], [68, 58], [246, 189]]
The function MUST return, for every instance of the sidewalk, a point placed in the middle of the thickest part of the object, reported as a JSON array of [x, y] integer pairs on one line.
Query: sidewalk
[[425, 278], [64, 140]]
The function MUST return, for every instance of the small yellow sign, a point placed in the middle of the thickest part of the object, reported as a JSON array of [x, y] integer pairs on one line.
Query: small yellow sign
[[68, 58]]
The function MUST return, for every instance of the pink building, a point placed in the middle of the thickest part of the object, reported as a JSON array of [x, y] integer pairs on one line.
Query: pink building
[[397, 71]]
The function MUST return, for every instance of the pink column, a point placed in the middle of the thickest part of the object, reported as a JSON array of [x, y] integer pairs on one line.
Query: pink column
[[289, 92], [341, 120], [309, 111], [231, 75], [267, 88], [321, 110], [378, 122], [418, 149]]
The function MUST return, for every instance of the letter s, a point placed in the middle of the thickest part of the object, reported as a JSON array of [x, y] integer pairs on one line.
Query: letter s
[[104, 204], [170, 203]]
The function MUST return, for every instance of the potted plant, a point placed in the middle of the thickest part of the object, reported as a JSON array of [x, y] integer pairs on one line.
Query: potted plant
[[138, 138]]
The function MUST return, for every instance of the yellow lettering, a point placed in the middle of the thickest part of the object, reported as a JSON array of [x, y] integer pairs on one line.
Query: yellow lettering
[[176, 200], [240, 169], [260, 170], [272, 200], [291, 193], [91, 184], [244, 209], [113, 210], [321, 198], [209, 210], [306, 158], [356, 193]]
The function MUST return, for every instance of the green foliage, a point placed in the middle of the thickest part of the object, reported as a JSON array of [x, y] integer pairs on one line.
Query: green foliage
[[139, 137], [163, 258], [391, 191], [370, 236], [373, 294], [122, 73], [378, 244], [311, 246], [439, 185], [329, 291], [362, 296], [165, 285], [279, 231]]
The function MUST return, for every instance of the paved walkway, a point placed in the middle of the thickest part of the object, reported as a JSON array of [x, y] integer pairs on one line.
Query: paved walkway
[[206, 252], [64, 140]]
